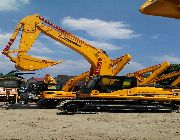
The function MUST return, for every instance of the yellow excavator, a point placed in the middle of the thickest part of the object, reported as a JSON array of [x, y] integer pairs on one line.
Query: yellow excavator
[[136, 98], [154, 74], [52, 94], [31, 27], [165, 8], [130, 92], [103, 91], [120, 93]]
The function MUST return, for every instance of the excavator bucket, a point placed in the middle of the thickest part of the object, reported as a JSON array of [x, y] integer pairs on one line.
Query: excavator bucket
[[23, 61], [165, 8], [27, 63]]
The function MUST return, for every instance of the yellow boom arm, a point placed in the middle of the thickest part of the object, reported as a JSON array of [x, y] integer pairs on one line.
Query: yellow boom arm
[[166, 76], [33, 25], [176, 82], [72, 82], [165, 8], [156, 70], [122, 61]]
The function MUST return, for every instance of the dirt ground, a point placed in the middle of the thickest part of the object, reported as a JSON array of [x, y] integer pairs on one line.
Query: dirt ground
[[42, 124]]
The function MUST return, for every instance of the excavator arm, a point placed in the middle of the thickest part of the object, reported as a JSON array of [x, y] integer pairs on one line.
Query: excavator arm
[[165, 8], [33, 25], [138, 74], [156, 70], [166, 76], [73, 81], [176, 82]]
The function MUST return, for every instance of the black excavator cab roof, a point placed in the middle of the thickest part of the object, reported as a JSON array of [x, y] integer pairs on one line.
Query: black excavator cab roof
[[107, 84]]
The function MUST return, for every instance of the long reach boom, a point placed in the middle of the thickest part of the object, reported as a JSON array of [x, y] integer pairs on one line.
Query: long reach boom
[[33, 25]]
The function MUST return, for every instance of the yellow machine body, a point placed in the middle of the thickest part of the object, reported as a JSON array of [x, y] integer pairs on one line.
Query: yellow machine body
[[113, 93], [165, 8], [138, 93], [57, 95], [176, 82]]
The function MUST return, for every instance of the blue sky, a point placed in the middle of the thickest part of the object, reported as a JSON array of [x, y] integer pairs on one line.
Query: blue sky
[[116, 26]]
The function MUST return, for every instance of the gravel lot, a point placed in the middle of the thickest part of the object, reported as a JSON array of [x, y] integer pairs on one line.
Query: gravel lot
[[32, 123]]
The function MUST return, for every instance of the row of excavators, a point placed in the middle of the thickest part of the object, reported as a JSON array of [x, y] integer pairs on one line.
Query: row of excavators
[[151, 89]]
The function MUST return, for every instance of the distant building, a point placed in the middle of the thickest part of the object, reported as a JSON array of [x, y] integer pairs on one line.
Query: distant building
[[35, 80], [62, 79]]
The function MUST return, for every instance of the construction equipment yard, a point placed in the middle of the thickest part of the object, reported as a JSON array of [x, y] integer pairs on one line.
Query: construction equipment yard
[[125, 67], [46, 124]]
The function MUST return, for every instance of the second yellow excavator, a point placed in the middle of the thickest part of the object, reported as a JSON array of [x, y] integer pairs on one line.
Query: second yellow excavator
[[155, 74], [155, 70], [164, 8], [103, 90]]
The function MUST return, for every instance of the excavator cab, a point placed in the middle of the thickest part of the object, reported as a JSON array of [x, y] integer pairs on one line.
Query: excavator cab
[[108, 84], [165, 8], [51, 87]]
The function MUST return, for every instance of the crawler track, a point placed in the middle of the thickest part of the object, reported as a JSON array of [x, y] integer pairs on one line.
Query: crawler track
[[76, 106]]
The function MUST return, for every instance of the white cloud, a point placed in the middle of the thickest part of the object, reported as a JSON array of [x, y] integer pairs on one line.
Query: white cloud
[[76, 67], [11, 5], [4, 38], [99, 29], [132, 66], [25, 1], [42, 57], [104, 45], [55, 43], [40, 48], [6, 67], [156, 36], [5, 64], [69, 67], [171, 59]]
